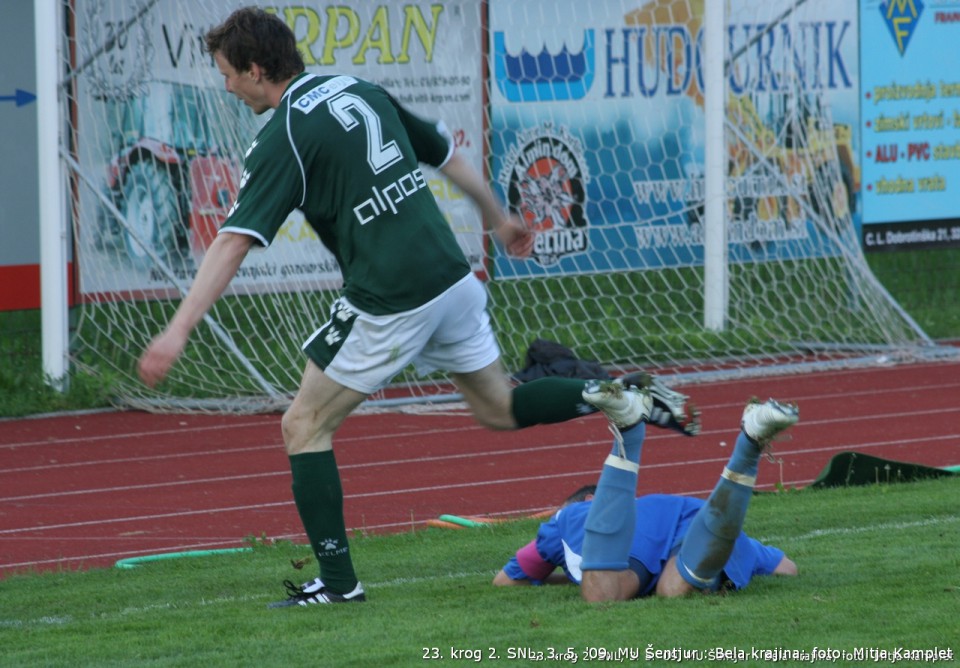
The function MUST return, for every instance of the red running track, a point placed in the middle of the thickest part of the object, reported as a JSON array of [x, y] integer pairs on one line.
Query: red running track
[[82, 491]]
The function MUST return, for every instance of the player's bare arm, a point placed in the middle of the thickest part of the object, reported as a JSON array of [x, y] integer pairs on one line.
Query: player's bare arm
[[509, 228], [786, 567], [501, 579], [218, 268]]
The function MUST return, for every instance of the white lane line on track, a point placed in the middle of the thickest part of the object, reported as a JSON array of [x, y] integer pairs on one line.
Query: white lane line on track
[[780, 452], [433, 488], [691, 389], [913, 415]]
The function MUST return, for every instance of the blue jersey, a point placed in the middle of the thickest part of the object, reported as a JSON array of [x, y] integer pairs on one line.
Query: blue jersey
[[661, 523]]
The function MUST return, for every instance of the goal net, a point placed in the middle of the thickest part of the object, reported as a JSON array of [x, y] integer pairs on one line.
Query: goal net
[[588, 119]]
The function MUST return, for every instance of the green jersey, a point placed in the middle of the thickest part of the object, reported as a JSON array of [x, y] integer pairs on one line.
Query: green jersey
[[346, 154]]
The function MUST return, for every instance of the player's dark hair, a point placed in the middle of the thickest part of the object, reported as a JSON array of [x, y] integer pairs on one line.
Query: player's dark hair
[[581, 494], [251, 35]]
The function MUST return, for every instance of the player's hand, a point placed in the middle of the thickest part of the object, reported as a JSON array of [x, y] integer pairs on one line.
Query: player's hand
[[159, 356], [516, 237]]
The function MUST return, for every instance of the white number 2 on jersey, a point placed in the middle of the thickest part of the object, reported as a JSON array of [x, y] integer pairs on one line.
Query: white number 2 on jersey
[[380, 155]]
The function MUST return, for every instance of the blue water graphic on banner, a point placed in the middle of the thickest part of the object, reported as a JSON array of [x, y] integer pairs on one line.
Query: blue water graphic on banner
[[544, 77], [598, 143]]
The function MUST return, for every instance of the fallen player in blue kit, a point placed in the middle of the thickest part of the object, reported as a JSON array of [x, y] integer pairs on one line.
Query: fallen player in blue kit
[[617, 546]]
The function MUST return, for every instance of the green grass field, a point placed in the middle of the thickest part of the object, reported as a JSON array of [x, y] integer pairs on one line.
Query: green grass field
[[880, 572]]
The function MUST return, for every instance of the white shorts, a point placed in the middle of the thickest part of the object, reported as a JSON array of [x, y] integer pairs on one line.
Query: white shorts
[[364, 352]]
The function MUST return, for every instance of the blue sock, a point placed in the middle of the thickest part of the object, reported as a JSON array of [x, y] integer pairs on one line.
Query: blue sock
[[709, 541], [610, 522], [632, 442], [745, 459]]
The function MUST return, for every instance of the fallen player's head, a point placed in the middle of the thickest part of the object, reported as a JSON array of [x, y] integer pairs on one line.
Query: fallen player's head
[[585, 493]]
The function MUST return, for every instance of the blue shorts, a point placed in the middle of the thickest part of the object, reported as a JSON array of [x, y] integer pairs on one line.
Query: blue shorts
[[661, 523]]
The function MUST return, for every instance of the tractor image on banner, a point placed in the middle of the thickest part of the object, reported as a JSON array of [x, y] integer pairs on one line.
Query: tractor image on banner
[[168, 177]]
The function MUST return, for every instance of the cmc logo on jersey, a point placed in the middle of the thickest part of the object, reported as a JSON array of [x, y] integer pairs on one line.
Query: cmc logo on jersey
[[901, 17], [544, 77], [544, 178]]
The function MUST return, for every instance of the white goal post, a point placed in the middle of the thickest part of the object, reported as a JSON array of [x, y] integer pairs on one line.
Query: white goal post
[[716, 283], [54, 228], [690, 169]]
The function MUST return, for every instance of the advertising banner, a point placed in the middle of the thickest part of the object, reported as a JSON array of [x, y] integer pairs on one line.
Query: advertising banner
[[598, 139], [910, 123], [164, 141]]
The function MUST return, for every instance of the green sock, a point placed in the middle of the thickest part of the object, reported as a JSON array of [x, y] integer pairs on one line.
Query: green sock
[[319, 498], [549, 400]]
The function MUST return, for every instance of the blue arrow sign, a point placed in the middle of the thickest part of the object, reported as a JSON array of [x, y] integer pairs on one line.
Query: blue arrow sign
[[21, 97]]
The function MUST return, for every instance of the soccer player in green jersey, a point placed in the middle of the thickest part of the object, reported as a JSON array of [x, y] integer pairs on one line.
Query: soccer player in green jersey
[[347, 155]]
